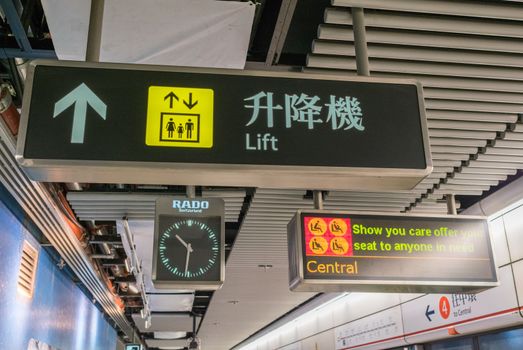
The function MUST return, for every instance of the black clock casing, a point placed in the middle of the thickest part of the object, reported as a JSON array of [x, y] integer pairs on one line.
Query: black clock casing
[[188, 243]]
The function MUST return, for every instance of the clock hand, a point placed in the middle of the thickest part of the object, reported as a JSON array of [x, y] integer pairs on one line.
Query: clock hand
[[181, 241], [189, 251]]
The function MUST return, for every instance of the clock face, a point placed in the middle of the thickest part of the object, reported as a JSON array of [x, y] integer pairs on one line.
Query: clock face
[[188, 248]]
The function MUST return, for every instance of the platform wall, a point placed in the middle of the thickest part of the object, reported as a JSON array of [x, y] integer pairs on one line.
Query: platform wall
[[58, 315]]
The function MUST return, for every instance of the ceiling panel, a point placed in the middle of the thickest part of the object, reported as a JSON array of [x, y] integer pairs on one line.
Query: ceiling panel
[[164, 323], [171, 302]]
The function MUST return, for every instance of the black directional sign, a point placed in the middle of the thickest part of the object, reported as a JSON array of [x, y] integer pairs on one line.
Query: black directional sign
[[116, 123]]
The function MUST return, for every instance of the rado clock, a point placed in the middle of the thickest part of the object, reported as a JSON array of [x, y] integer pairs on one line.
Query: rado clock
[[188, 243]]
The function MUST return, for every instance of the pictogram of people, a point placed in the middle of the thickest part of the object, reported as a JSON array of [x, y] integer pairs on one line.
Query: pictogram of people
[[189, 126], [180, 130], [170, 128]]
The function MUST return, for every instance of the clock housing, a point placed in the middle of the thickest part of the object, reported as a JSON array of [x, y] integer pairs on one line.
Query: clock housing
[[188, 244]]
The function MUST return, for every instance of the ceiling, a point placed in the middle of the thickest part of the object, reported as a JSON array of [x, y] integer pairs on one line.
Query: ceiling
[[468, 55]]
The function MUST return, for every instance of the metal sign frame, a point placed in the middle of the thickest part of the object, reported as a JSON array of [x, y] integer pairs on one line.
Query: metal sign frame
[[273, 176], [298, 282]]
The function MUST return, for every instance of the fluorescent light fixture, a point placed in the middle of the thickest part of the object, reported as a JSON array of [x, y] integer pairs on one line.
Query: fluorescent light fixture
[[169, 335]]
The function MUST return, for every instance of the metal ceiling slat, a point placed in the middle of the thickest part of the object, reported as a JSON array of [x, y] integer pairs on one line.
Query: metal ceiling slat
[[494, 163], [443, 69], [470, 187], [484, 170], [499, 158], [446, 163], [443, 141], [467, 176], [504, 151], [450, 156], [473, 95], [435, 80], [475, 106], [508, 143], [368, 200], [439, 193], [367, 208], [454, 149], [114, 206], [513, 136], [472, 182], [329, 61], [465, 125], [386, 193], [429, 23], [343, 33], [436, 175], [436, 40], [441, 169], [419, 53], [465, 115], [458, 82], [497, 10], [518, 128], [335, 33], [335, 48], [427, 54], [476, 135], [429, 181], [417, 67], [353, 204]]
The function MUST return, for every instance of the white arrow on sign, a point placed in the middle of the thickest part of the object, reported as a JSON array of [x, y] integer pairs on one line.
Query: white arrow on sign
[[80, 97]]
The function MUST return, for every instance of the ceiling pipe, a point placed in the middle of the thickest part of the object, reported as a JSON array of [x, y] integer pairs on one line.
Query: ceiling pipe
[[360, 41], [451, 204], [94, 34], [103, 256], [317, 197], [73, 186], [191, 191], [502, 199]]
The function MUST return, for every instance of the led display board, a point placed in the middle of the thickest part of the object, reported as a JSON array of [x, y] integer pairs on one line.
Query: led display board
[[339, 251], [114, 123], [188, 245]]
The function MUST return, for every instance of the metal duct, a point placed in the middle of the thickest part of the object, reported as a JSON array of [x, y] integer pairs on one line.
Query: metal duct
[[37, 202]]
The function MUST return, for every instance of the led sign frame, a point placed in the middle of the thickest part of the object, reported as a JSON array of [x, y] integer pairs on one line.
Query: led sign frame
[[378, 252]]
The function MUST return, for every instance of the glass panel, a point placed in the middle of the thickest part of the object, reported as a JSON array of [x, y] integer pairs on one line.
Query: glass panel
[[458, 344], [508, 340]]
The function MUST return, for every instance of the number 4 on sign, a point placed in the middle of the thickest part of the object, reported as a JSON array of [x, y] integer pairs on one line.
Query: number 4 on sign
[[444, 307]]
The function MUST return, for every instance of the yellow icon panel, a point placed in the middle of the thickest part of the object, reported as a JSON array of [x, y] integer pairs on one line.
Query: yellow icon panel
[[179, 117]]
